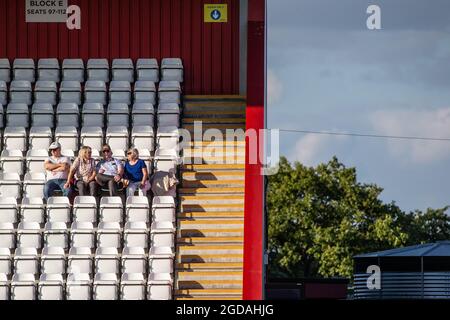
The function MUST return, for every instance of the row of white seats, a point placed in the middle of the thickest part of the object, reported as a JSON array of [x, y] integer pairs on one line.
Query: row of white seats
[[104, 286], [92, 114], [21, 91], [97, 69], [86, 209]]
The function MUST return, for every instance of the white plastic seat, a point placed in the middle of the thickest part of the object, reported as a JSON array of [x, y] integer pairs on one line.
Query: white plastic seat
[[7, 235], [80, 260], [51, 287], [69, 153], [5, 287], [35, 160], [109, 235], [58, 209], [98, 69], [48, 70], [3, 94], [17, 114], [137, 209], [73, 70], [117, 114], [142, 137], [106, 287], [107, 260], [117, 137], [160, 260], [159, 286], [143, 114], [79, 286], [67, 115], [169, 92], [163, 208], [15, 138], [132, 286], [20, 92], [95, 92], [167, 137], [9, 210], [42, 115], [172, 69], [168, 115], [10, 185], [135, 234], [122, 70], [92, 137], [45, 92], [5, 70], [24, 69], [120, 92], [5, 262], [56, 235], [53, 260], [166, 160], [111, 209], [32, 210], [12, 161], [93, 115], [147, 69], [144, 92], [162, 234], [23, 287], [85, 209], [29, 235], [82, 234], [119, 154], [134, 260], [67, 137], [96, 155], [33, 184], [26, 260], [70, 92], [40, 138]]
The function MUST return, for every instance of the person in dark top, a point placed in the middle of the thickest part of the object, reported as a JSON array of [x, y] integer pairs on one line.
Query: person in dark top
[[135, 174]]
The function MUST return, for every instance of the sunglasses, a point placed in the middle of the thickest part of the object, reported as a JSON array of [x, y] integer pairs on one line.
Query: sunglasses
[[106, 150], [129, 153]]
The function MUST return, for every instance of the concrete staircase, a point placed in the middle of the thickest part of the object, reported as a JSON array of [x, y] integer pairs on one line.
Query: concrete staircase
[[210, 222]]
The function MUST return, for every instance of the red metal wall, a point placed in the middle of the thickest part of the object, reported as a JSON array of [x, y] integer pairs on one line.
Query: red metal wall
[[135, 28]]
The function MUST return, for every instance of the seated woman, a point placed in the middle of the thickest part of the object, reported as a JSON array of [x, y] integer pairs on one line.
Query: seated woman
[[136, 174], [83, 168]]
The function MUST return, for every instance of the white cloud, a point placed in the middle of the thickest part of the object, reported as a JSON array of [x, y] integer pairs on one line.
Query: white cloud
[[274, 87], [422, 123]]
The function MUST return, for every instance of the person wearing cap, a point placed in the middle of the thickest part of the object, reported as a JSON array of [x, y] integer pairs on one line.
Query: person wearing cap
[[57, 170], [83, 169], [109, 171]]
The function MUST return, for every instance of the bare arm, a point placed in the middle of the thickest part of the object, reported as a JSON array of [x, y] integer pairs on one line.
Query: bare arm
[[145, 175], [51, 166]]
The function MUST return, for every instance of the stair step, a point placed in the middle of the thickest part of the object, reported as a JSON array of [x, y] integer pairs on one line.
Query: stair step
[[208, 298], [211, 190], [209, 292], [213, 97], [210, 240], [213, 183], [240, 143], [197, 235], [212, 207], [208, 257], [210, 249], [219, 126], [211, 121], [209, 284], [209, 266], [208, 215], [188, 114], [209, 167], [209, 275], [211, 199], [213, 176], [211, 223]]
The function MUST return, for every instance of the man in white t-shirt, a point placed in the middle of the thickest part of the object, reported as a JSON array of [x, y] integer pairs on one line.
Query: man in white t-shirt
[[57, 170]]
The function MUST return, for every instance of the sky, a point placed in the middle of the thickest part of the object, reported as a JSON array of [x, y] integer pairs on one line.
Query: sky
[[328, 72]]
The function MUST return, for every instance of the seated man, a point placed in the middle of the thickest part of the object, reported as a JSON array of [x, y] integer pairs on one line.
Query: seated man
[[57, 171], [110, 171]]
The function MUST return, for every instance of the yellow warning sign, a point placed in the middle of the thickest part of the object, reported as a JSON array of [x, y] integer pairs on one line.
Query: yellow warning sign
[[216, 12]]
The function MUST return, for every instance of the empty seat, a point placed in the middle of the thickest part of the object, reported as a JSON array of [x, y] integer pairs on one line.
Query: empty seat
[[142, 137], [24, 69], [111, 209], [117, 137], [85, 209], [42, 115], [163, 208], [67, 115], [45, 92], [169, 92], [12, 161], [172, 69], [147, 69], [117, 114], [3, 93], [144, 92], [166, 160], [109, 235], [79, 286], [134, 260], [70, 92], [26, 260], [58, 209], [53, 260], [80, 260], [167, 137], [29, 235], [93, 115], [10, 185], [119, 154], [98, 69], [135, 235], [20, 92], [17, 115], [33, 184], [5, 289], [51, 287], [143, 114], [56, 235], [162, 234], [92, 137], [159, 286], [9, 210], [107, 260], [69, 153], [67, 137], [7, 235], [15, 138], [120, 92], [73, 70], [32, 210], [82, 234], [48, 70], [5, 70], [123, 70], [5, 262], [23, 287], [137, 209], [132, 286], [95, 92], [106, 286], [168, 115], [40, 138], [35, 160], [160, 260]]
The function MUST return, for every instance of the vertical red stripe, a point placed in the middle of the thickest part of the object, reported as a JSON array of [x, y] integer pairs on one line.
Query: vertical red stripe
[[235, 44], [186, 36], [114, 29], [145, 29], [124, 22], [216, 57], [155, 29], [3, 29], [52, 40], [134, 29], [94, 36], [227, 51], [63, 40], [84, 33], [197, 22], [176, 28], [165, 28], [22, 49], [207, 55], [11, 20], [104, 30]]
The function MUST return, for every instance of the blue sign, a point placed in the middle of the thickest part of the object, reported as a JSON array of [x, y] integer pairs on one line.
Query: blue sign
[[215, 14]]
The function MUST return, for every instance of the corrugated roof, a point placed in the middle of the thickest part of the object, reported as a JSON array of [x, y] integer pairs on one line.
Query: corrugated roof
[[438, 249]]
